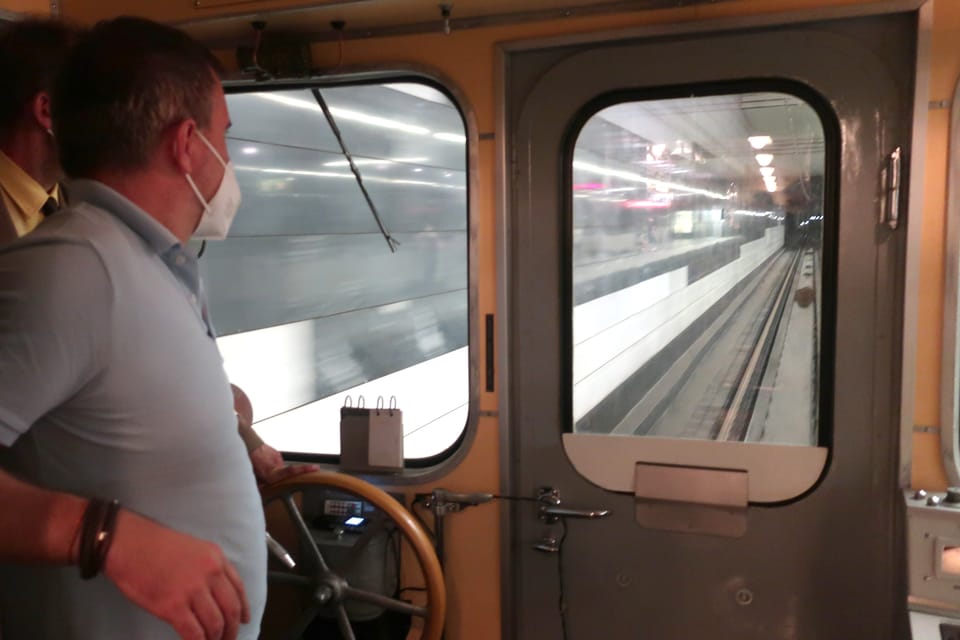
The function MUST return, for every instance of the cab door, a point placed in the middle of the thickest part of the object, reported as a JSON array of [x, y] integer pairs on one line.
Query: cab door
[[641, 241]]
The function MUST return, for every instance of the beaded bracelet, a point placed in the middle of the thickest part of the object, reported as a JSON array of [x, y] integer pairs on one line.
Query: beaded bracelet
[[96, 536]]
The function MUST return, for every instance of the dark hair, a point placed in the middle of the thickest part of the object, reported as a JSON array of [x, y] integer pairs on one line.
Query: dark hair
[[31, 54], [124, 83]]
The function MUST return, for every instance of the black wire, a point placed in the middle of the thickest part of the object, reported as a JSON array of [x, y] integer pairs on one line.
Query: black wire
[[393, 544], [391, 241], [562, 600], [525, 498], [423, 523]]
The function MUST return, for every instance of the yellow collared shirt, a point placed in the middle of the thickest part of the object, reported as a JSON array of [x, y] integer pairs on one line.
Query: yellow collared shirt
[[22, 195]]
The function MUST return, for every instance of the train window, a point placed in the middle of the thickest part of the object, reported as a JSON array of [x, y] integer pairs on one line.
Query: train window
[[696, 268], [310, 303]]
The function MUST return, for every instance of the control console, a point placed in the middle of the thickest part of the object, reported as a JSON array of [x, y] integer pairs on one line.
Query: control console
[[933, 563]]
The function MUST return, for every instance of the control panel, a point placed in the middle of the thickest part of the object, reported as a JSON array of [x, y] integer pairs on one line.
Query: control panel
[[342, 508], [933, 563]]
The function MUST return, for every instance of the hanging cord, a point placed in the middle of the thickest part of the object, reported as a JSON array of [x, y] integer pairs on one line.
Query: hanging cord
[[391, 241], [258, 27], [464, 500], [562, 599], [338, 26]]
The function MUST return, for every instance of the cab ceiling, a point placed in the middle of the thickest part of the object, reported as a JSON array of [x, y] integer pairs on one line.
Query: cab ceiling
[[229, 21]]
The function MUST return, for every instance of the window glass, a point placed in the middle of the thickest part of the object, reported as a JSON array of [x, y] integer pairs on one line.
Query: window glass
[[310, 303], [696, 269]]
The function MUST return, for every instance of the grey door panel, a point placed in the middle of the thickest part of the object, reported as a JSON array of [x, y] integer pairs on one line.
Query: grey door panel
[[826, 565]]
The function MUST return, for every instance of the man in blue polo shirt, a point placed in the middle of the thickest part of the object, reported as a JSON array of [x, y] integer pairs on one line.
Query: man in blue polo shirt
[[121, 454]]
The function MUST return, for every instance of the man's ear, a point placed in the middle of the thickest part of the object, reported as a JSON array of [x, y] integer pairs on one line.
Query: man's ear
[[40, 110], [183, 145]]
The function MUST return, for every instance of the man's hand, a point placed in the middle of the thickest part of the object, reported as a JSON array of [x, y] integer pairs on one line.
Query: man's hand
[[183, 580], [269, 467], [268, 464]]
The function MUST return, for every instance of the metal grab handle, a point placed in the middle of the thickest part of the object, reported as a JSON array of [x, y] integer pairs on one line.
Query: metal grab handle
[[280, 553], [553, 511], [890, 178]]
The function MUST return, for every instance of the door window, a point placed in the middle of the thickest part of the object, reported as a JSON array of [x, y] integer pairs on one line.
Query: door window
[[697, 271]]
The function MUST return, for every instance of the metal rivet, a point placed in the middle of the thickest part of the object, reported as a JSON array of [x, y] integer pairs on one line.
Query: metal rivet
[[744, 597]]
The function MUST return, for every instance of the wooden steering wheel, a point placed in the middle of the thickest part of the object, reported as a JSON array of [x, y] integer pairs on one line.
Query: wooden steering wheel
[[328, 591]]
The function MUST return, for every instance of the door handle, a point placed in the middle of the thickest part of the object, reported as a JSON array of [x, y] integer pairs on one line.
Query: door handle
[[551, 510], [890, 177]]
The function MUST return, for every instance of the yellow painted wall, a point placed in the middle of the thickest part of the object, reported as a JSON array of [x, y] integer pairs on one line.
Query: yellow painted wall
[[468, 58], [944, 74], [39, 7]]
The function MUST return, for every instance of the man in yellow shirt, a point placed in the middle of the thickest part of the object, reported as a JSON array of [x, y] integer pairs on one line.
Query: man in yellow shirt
[[31, 53]]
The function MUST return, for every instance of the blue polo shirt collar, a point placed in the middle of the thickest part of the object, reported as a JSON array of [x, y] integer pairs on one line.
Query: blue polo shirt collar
[[155, 235]]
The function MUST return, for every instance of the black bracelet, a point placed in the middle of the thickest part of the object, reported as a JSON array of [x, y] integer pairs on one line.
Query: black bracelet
[[96, 536]]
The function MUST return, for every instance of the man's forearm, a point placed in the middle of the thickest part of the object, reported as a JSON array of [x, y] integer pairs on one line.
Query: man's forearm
[[248, 435], [38, 525]]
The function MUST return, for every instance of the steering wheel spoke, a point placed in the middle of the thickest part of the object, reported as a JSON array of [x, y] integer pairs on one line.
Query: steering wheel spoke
[[283, 577], [324, 585], [306, 538], [386, 602], [343, 622]]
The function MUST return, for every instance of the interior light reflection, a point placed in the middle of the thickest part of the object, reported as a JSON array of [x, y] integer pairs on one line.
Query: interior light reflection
[[636, 177], [346, 114]]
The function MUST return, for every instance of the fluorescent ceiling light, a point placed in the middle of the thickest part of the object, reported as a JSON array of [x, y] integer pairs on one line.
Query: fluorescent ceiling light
[[346, 114], [249, 151], [759, 142], [376, 121], [421, 91], [299, 103], [764, 159], [359, 162], [772, 187], [636, 177], [451, 137], [766, 172], [330, 174]]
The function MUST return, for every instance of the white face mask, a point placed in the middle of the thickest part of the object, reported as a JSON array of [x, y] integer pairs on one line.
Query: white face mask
[[218, 214]]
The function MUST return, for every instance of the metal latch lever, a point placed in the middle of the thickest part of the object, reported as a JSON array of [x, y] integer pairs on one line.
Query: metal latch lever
[[552, 511]]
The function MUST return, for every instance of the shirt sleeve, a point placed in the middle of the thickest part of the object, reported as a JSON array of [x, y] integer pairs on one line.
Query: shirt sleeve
[[55, 310]]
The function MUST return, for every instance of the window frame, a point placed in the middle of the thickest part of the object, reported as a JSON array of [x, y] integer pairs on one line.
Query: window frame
[[417, 469], [584, 449]]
